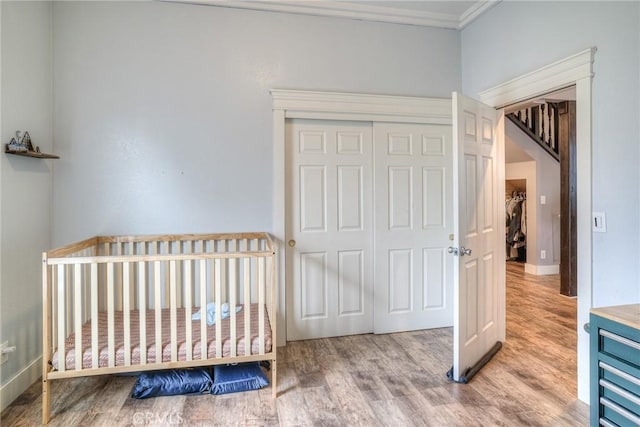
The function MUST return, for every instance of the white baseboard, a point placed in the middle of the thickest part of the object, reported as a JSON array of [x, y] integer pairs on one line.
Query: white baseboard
[[542, 270], [18, 384]]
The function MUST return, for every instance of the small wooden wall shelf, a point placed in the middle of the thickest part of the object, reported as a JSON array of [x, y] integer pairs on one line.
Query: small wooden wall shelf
[[36, 154]]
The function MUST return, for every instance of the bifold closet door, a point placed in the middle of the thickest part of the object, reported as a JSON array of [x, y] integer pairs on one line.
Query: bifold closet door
[[329, 228], [413, 225]]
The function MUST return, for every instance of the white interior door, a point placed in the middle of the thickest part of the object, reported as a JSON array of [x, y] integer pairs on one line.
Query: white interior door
[[479, 284], [329, 228], [413, 216]]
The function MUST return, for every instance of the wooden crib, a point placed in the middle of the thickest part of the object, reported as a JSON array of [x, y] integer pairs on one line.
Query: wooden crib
[[130, 300]]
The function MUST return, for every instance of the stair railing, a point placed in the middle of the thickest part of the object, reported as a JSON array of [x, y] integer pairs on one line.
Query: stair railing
[[540, 123]]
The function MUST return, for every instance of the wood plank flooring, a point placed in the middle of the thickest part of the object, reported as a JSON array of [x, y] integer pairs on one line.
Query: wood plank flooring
[[368, 380]]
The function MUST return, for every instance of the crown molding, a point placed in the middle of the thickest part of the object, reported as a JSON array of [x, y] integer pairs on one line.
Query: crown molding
[[558, 75], [361, 11], [477, 9]]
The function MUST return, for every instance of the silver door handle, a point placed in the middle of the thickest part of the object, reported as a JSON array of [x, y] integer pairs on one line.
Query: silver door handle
[[462, 251]]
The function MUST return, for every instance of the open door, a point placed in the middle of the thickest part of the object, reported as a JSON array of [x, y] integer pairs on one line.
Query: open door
[[478, 248]]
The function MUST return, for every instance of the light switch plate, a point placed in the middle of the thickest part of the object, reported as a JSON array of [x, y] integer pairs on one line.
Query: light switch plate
[[599, 222]]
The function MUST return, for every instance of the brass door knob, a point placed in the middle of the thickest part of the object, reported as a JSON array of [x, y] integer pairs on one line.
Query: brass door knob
[[292, 243]]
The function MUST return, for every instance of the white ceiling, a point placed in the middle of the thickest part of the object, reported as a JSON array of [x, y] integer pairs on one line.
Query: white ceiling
[[452, 14]]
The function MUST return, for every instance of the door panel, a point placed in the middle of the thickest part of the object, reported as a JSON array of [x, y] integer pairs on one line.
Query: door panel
[[477, 325], [400, 198], [351, 283], [350, 198], [313, 198], [434, 284], [413, 212], [400, 281], [433, 197], [313, 272], [330, 210]]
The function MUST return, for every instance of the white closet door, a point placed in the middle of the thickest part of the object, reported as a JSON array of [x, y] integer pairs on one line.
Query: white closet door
[[329, 229], [413, 220]]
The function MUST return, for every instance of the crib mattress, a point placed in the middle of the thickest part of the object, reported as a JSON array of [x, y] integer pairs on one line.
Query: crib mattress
[[103, 355]]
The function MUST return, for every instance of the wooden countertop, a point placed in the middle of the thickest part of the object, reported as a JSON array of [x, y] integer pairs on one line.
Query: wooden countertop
[[626, 314]]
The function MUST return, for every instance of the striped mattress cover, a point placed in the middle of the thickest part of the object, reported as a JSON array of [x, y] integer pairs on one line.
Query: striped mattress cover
[[103, 355]]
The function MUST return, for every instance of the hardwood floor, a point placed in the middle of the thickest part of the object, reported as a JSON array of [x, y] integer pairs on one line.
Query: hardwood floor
[[393, 379]]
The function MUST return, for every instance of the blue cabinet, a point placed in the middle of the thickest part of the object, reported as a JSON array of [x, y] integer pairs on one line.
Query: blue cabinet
[[615, 366]]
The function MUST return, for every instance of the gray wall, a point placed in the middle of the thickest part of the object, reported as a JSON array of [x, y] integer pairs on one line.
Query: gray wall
[[163, 112], [162, 117], [26, 188], [493, 52], [562, 29]]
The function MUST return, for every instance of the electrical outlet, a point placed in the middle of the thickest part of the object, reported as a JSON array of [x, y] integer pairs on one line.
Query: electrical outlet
[[543, 254], [4, 356]]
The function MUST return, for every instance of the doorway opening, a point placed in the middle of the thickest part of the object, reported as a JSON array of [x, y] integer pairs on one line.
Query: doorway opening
[[546, 272], [540, 144]]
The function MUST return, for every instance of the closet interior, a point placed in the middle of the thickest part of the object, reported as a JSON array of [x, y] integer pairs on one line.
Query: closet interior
[[516, 219]]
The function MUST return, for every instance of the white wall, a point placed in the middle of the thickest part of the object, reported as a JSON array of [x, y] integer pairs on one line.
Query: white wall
[[540, 218], [163, 112], [26, 189], [561, 29]]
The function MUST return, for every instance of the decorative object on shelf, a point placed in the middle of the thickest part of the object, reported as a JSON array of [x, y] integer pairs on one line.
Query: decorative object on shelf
[[25, 148], [16, 147], [26, 140]]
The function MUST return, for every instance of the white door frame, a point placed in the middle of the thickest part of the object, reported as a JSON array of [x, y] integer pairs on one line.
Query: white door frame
[[574, 70], [297, 104]]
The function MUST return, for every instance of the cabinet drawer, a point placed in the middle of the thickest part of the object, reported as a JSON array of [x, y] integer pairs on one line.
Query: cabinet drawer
[[621, 375], [620, 347], [617, 414], [618, 395]]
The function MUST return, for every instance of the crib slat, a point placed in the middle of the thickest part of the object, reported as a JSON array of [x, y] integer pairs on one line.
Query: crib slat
[[173, 301], [133, 250], [223, 247], [203, 309], [94, 315], [232, 304], [247, 305], [110, 316], [262, 284], [126, 306], [187, 309], [142, 307], [86, 302], [61, 320], [47, 327], [218, 301], [77, 300], [165, 294], [179, 250], [118, 278], [53, 272], [158, 307], [69, 294]]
